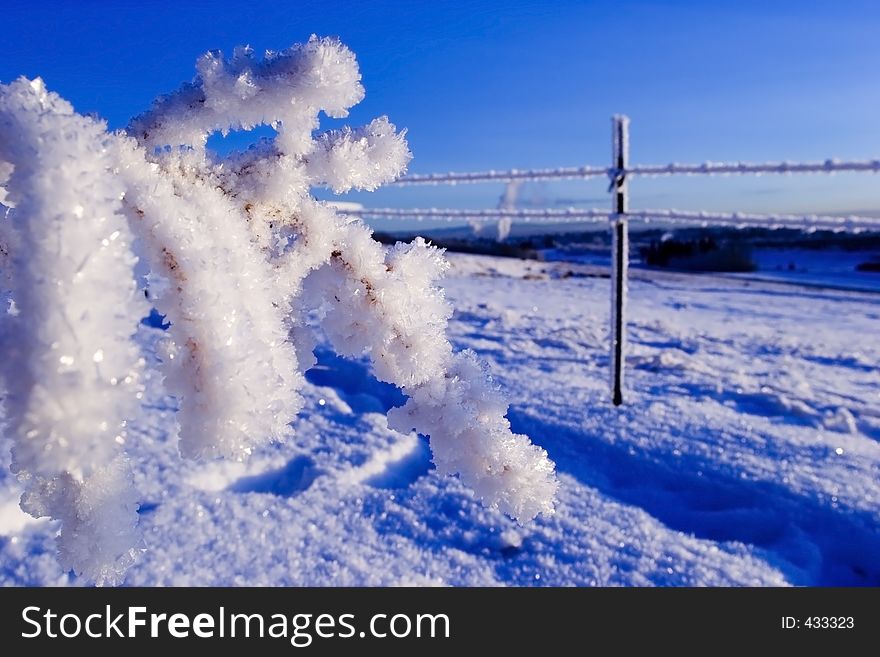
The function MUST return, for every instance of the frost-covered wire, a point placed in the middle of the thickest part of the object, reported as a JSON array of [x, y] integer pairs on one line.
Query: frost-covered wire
[[734, 168], [575, 215], [581, 173], [744, 220], [509, 175], [490, 214]]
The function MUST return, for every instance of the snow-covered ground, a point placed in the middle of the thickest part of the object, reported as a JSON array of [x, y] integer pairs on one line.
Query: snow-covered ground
[[747, 453]]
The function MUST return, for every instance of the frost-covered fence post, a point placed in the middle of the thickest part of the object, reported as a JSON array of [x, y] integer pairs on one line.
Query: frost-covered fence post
[[619, 252]]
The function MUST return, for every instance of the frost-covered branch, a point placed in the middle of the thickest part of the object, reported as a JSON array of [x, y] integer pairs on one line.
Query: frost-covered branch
[[389, 306], [71, 373], [238, 254], [285, 90], [359, 159], [228, 360]]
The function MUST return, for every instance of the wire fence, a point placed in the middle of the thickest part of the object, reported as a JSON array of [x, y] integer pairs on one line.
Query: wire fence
[[447, 214], [619, 215], [853, 223], [582, 173]]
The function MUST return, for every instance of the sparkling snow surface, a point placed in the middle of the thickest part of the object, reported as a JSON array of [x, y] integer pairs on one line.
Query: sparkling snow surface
[[747, 452]]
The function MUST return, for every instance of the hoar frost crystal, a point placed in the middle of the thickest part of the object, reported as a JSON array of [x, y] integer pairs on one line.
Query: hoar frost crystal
[[238, 253]]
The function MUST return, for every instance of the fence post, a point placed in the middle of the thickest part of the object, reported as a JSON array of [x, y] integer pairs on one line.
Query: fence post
[[619, 253]]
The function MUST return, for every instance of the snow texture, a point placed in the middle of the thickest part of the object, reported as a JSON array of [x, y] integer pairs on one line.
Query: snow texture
[[747, 452], [237, 256]]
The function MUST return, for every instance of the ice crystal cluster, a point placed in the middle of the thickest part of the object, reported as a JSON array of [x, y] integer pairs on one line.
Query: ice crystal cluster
[[238, 254]]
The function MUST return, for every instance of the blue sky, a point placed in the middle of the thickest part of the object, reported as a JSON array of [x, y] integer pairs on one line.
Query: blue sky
[[526, 84]]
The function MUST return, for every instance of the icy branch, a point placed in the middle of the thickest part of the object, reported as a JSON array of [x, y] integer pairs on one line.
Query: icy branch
[[71, 372], [360, 159], [238, 252], [229, 360], [285, 90]]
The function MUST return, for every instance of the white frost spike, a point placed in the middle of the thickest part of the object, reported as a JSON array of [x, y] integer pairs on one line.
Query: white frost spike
[[5, 172], [99, 538], [238, 254], [70, 270], [504, 226]]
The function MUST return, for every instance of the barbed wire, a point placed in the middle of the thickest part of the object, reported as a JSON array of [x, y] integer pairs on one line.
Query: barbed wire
[[556, 215], [573, 215], [749, 220], [734, 168], [577, 215], [511, 175], [581, 173]]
